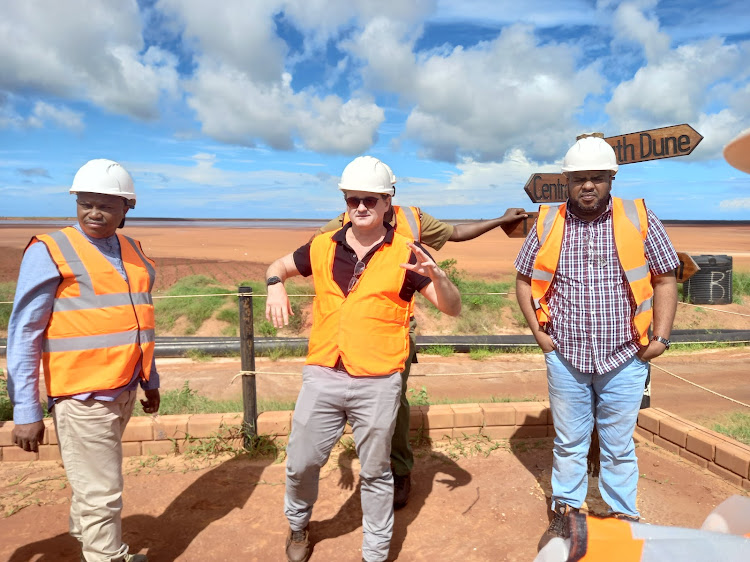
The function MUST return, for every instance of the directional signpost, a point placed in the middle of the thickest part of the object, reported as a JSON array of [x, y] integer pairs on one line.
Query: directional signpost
[[687, 268], [667, 142], [520, 228]]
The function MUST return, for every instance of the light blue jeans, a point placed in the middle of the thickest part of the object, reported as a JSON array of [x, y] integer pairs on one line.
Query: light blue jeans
[[613, 400], [327, 399]]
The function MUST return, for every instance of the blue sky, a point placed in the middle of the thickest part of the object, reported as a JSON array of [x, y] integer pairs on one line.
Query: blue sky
[[251, 109]]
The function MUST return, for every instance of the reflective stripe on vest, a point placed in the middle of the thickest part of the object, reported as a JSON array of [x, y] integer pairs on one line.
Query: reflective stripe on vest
[[630, 226], [369, 328], [101, 325]]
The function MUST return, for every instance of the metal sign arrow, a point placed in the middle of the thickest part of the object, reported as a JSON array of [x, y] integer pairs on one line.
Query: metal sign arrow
[[654, 144], [687, 267]]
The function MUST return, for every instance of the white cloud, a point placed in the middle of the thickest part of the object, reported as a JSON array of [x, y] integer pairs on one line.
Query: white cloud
[[630, 23], [89, 49], [483, 101], [62, 116], [735, 204]]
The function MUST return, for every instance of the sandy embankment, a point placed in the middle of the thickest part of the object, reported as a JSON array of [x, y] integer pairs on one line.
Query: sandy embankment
[[490, 256]]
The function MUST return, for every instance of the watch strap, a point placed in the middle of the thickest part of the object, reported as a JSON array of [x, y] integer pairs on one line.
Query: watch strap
[[273, 280], [660, 339]]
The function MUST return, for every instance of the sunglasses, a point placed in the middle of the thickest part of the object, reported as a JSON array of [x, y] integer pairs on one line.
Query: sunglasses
[[358, 270], [355, 202]]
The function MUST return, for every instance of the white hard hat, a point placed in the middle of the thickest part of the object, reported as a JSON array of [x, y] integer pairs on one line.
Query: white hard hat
[[367, 173], [590, 153], [737, 152], [106, 177]]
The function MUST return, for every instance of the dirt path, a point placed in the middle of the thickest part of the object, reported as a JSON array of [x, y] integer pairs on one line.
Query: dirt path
[[479, 508]]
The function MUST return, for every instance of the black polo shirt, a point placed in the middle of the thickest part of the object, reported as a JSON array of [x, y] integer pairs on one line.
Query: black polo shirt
[[345, 258]]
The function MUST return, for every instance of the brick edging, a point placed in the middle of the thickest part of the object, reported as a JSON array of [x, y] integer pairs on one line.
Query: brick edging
[[161, 435], [708, 449]]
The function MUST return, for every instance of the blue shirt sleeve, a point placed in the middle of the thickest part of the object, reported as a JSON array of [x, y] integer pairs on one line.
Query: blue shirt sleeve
[[38, 280]]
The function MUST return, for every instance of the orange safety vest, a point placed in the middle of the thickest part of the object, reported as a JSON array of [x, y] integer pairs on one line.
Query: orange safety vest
[[369, 328], [101, 326], [630, 224], [612, 540]]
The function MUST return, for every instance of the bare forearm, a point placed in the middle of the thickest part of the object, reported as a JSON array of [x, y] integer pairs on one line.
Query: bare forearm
[[283, 268], [471, 230], [523, 296], [665, 304], [448, 299]]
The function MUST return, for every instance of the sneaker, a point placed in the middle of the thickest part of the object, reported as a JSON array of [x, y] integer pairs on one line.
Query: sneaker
[[559, 526], [401, 489], [298, 545]]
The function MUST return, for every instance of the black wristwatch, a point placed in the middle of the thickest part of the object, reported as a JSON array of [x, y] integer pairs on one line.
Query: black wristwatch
[[660, 339], [273, 280]]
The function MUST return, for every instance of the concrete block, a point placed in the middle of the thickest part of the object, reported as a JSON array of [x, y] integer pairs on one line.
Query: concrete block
[[232, 419], [526, 431], [734, 458], [459, 432], [467, 415], [649, 419], [16, 454], [6, 429], [668, 445], [725, 474], [440, 434], [139, 429], [49, 453], [642, 435], [347, 429], [160, 448], [499, 431], [170, 427], [204, 425], [438, 416], [674, 430], [702, 444], [693, 458], [531, 413], [416, 417], [746, 484], [275, 423], [50, 435], [551, 431], [131, 449], [498, 414]]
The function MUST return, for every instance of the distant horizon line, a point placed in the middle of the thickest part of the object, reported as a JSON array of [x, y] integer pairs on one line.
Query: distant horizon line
[[683, 222]]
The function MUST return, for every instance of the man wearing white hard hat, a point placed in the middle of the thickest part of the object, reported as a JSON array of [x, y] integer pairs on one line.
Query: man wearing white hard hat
[[365, 275], [413, 223], [593, 276], [83, 309]]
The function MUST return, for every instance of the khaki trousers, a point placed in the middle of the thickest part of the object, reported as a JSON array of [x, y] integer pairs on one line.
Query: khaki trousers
[[90, 436]]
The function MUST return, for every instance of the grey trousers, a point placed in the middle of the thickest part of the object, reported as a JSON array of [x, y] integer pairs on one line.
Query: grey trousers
[[90, 436], [327, 399]]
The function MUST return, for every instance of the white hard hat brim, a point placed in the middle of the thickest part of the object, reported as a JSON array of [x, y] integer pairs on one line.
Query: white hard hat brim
[[737, 152]]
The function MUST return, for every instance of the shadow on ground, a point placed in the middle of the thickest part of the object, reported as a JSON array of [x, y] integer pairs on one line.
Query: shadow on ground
[[209, 498]]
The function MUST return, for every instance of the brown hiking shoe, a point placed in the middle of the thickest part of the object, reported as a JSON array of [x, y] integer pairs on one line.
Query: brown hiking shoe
[[298, 545], [559, 526], [401, 489]]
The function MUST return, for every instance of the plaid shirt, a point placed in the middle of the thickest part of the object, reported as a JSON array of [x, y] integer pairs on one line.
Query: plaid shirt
[[591, 305]]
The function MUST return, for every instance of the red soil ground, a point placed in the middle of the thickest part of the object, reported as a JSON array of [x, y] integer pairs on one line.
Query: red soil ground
[[472, 507]]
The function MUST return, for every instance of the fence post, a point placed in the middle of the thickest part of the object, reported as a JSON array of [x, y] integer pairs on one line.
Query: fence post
[[247, 355]]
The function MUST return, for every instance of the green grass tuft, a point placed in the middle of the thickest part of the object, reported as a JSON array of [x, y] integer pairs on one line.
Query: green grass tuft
[[196, 310], [736, 426], [7, 292], [442, 350]]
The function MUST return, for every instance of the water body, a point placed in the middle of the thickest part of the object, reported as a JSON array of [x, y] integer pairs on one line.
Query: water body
[[60, 222]]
